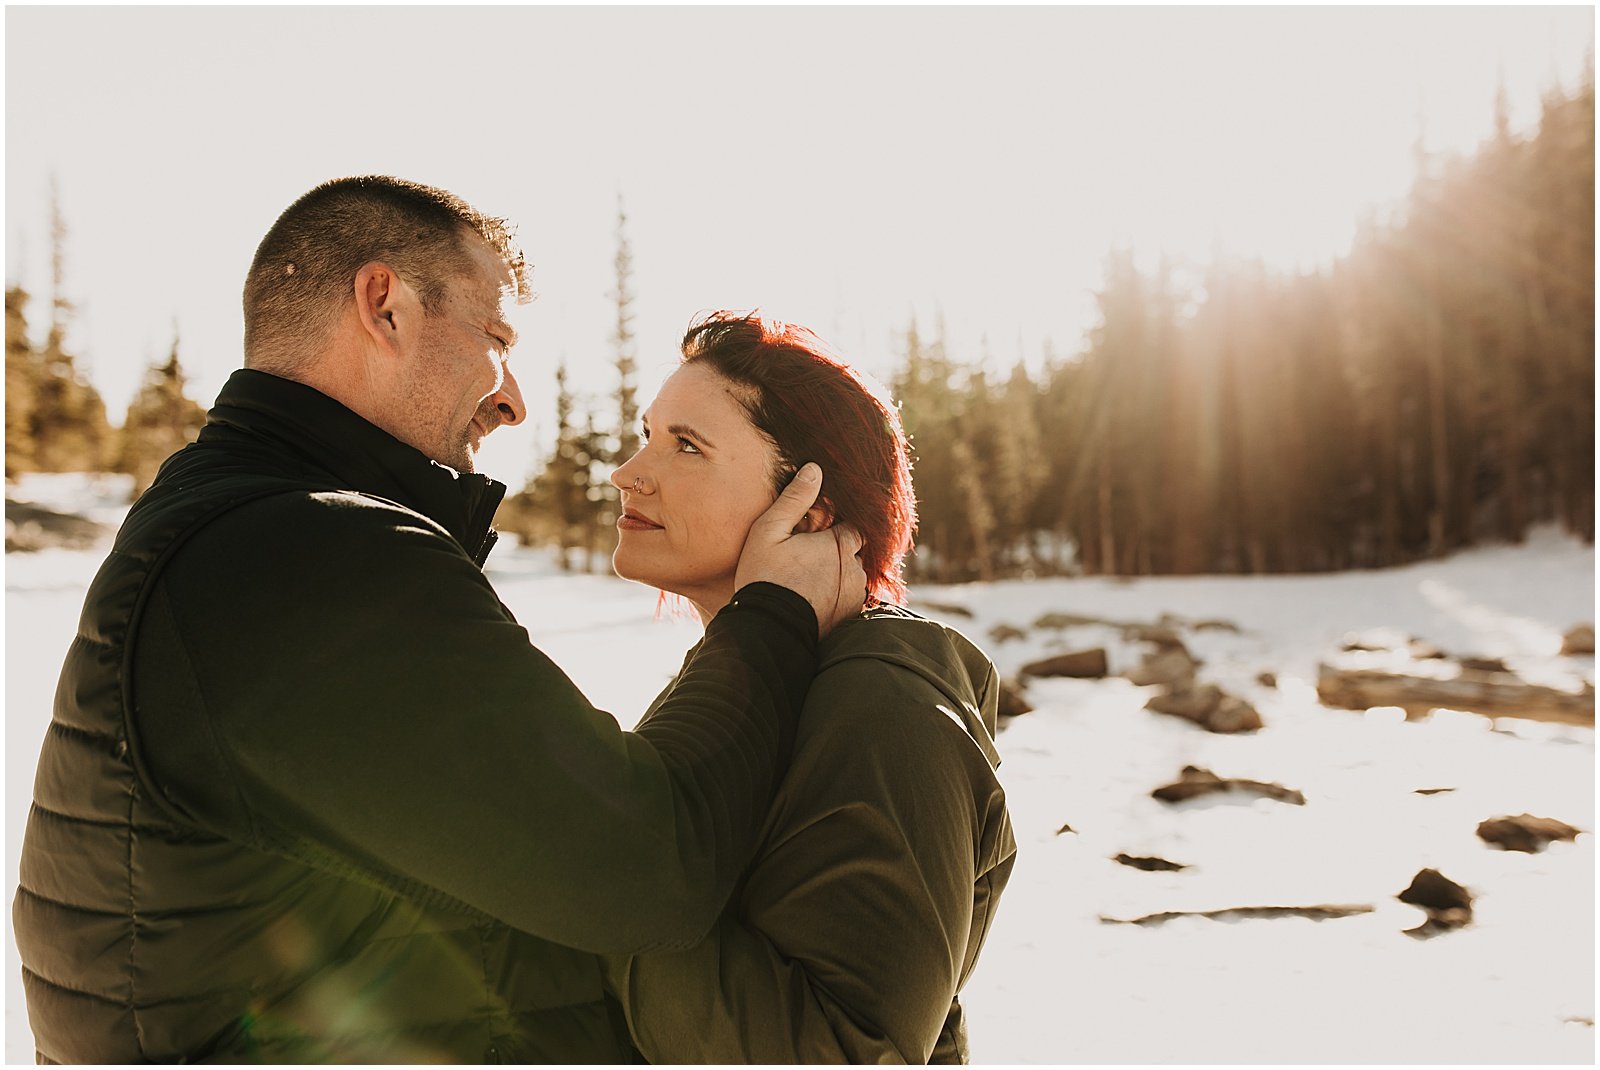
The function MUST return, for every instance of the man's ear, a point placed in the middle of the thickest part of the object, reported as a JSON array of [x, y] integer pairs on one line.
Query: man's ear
[[386, 305]]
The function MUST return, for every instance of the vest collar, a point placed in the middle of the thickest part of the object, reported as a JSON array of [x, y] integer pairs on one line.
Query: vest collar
[[316, 434]]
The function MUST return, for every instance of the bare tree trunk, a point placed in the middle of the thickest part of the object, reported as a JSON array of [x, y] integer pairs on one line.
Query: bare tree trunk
[[1108, 541], [1438, 437]]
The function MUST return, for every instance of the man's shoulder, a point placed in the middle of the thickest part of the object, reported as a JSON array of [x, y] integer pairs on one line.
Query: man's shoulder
[[311, 533], [314, 512], [341, 508]]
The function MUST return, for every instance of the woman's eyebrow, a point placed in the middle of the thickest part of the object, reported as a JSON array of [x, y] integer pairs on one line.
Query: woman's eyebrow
[[688, 432]]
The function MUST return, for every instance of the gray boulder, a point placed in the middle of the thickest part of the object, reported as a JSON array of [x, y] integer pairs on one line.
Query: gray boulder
[[1083, 664], [1171, 667]]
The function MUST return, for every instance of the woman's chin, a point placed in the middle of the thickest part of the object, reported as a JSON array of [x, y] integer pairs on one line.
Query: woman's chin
[[628, 569], [624, 572], [699, 590]]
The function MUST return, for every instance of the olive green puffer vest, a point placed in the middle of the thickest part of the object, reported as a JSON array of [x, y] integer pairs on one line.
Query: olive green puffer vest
[[146, 938]]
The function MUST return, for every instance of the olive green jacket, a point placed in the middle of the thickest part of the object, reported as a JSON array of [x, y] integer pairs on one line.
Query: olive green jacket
[[878, 872]]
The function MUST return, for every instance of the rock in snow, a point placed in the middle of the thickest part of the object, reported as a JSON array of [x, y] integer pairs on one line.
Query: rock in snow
[[1194, 782], [1481, 693], [1170, 667], [1524, 832], [32, 527], [1579, 640], [1148, 863], [1012, 701], [1164, 636], [1208, 706], [1448, 904], [1317, 912], [1004, 633], [1083, 664]]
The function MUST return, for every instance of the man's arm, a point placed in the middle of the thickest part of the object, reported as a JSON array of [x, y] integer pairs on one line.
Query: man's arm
[[361, 686]]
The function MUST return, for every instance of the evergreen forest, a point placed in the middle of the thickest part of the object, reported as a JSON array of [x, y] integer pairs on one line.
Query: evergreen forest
[[1431, 389]]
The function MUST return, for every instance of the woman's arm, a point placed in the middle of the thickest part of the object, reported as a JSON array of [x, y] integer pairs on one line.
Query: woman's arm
[[852, 932], [735, 998]]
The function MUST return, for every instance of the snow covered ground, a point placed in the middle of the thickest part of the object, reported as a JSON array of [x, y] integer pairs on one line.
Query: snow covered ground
[[1055, 984]]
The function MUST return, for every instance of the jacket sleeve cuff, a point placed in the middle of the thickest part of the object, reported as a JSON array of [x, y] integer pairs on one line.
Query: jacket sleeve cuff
[[780, 604]]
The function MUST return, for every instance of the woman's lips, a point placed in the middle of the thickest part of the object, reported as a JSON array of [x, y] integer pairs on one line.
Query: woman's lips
[[630, 522]]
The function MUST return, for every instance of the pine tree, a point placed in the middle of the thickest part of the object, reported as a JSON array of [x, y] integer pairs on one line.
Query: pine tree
[[22, 377], [558, 491], [68, 421], [1052, 515], [161, 420], [930, 415], [622, 341], [594, 496]]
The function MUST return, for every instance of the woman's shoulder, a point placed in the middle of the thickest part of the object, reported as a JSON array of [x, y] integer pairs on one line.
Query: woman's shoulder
[[897, 635], [897, 666]]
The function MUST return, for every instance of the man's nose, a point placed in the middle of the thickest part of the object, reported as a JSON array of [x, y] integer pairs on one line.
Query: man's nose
[[508, 400]]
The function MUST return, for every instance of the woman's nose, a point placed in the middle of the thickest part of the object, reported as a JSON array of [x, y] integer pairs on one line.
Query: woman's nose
[[625, 475]]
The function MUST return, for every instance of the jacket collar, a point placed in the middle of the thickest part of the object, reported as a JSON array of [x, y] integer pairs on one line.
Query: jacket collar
[[315, 435]]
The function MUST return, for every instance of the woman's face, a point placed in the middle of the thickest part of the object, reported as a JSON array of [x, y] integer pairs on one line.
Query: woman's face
[[692, 491]]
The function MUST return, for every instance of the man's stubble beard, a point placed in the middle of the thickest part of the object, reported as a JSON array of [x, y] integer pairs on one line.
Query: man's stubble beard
[[486, 417], [422, 396]]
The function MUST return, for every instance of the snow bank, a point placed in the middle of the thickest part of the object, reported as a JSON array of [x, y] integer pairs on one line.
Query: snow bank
[[1055, 984]]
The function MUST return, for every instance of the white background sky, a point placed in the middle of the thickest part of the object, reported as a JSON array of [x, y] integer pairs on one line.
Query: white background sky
[[844, 168]]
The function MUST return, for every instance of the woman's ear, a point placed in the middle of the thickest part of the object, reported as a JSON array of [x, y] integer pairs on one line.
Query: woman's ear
[[818, 518]]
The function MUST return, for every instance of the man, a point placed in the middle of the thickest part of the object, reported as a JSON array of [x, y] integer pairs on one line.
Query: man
[[309, 793]]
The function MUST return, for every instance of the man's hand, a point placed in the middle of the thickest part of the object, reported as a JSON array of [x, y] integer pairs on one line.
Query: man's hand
[[821, 566]]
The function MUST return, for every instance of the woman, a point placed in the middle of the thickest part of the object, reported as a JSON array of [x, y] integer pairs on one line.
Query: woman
[[888, 844]]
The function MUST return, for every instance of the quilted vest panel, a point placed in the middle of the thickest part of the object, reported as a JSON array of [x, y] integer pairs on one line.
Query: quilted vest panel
[[146, 938]]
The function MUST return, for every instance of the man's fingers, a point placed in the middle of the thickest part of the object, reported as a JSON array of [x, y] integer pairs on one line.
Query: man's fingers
[[852, 589], [850, 541], [800, 495], [835, 584]]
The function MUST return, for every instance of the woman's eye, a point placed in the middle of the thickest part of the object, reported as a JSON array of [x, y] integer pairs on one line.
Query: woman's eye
[[687, 446]]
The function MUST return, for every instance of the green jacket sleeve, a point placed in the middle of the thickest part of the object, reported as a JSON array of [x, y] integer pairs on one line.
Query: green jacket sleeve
[[855, 926], [736, 998], [373, 699]]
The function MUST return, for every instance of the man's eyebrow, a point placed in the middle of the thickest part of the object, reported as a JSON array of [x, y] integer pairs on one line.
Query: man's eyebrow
[[504, 330], [688, 432]]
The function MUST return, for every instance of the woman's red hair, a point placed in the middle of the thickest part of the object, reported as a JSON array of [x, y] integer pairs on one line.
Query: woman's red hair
[[815, 407]]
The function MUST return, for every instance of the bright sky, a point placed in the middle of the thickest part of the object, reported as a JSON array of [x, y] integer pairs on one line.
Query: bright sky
[[839, 167]]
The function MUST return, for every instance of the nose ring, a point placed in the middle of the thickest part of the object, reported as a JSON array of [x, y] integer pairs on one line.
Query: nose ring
[[638, 485]]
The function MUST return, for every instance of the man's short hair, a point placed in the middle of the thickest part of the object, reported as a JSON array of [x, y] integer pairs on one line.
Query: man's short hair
[[303, 271]]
